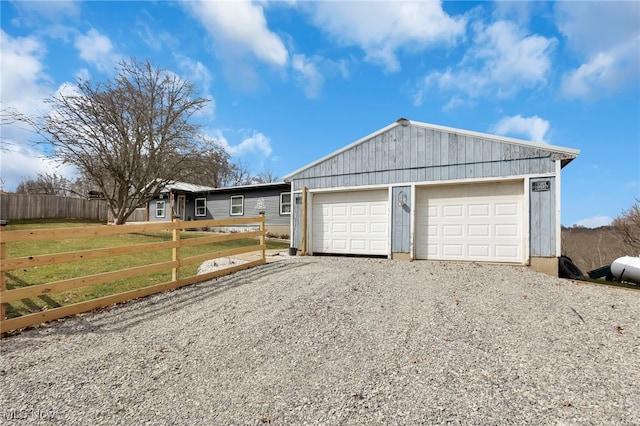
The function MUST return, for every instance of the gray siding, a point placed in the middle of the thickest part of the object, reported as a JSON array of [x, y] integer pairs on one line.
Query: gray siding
[[219, 204], [412, 153], [543, 219], [401, 220]]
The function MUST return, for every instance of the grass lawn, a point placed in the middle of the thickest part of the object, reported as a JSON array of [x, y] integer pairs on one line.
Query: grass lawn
[[45, 274]]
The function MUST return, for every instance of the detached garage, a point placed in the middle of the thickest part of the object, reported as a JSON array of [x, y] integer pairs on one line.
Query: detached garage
[[419, 191]]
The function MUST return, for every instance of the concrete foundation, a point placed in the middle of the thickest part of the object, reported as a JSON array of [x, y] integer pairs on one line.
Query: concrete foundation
[[546, 265], [401, 256]]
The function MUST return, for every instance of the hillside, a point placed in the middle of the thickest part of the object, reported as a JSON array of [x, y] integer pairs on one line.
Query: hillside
[[592, 248]]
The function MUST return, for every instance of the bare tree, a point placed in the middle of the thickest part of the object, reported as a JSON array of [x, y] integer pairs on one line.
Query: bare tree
[[240, 175], [126, 132], [627, 225], [45, 184], [212, 167], [266, 176]]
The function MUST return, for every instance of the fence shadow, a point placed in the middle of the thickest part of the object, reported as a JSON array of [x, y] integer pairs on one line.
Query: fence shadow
[[149, 308]]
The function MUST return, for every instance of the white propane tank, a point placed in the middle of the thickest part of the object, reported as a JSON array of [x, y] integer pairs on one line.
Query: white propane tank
[[626, 268]]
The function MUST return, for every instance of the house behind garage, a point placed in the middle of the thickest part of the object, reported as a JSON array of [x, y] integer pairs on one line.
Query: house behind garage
[[191, 202], [414, 190]]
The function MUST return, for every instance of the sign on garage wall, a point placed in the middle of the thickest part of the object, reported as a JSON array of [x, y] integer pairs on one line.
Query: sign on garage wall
[[541, 186]]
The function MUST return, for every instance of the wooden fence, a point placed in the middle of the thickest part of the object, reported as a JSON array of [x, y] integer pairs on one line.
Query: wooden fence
[[177, 261], [24, 206]]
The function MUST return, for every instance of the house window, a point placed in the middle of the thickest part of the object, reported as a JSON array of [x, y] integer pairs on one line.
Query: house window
[[201, 206], [159, 208], [285, 203], [237, 205]]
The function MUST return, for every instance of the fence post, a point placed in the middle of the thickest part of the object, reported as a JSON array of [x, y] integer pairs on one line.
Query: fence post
[[175, 272], [304, 221], [263, 240], [2, 276]]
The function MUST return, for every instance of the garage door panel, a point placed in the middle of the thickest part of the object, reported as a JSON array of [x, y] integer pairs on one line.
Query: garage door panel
[[358, 210], [358, 227], [479, 230], [481, 222], [453, 250], [507, 231], [479, 210], [379, 245], [358, 244], [480, 251], [359, 222], [338, 211], [452, 211], [510, 209], [507, 252], [379, 210], [336, 243], [452, 231], [380, 229], [337, 228]]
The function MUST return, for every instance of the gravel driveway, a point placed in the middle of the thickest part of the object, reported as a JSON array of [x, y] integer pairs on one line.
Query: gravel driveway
[[322, 340]]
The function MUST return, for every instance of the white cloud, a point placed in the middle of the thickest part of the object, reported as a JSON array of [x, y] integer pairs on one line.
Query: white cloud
[[23, 88], [610, 58], [312, 72], [21, 162], [97, 49], [155, 37], [605, 72], [51, 10], [309, 75], [254, 147], [595, 221], [502, 60], [518, 11], [454, 103], [381, 28], [83, 74], [532, 128], [198, 74], [23, 78], [417, 97], [239, 27]]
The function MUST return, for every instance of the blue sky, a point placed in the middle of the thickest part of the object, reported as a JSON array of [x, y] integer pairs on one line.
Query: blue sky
[[292, 81]]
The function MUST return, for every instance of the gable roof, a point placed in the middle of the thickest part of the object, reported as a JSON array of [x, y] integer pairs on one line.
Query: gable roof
[[570, 153]]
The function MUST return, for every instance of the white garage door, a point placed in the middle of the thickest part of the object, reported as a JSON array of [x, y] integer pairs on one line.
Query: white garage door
[[478, 222], [351, 222]]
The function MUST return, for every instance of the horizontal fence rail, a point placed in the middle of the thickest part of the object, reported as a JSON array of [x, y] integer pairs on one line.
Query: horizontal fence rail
[[27, 291]]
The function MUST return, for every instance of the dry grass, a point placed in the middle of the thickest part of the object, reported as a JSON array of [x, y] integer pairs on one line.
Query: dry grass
[[45, 274], [592, 248]]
